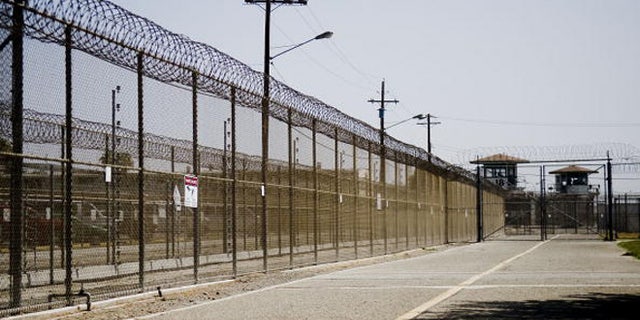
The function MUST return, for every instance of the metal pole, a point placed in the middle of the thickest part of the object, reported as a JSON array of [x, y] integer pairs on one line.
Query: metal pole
[[234, 186], [111, 159], [543, 206], [429, 136], [63, 236], [17, 123], [338, 197], [69, 165], [51, 225], [417, 212], [406, 205], [196, 172], [610, 237], [355, 196], [107, 160], [371, 199], [383, 170], [315, 192], [446, 210], [173, 207], [291, 150], [480, 235], [225, 194], [279, 212], [141, 230], [167, 208], [396, 202], [265, 130]]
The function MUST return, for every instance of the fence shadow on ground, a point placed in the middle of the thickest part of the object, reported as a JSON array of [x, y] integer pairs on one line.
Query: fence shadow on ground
[[583, 306]]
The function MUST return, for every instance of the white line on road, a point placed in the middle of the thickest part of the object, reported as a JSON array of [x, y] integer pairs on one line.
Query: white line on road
[[452, 291], [471, 287]]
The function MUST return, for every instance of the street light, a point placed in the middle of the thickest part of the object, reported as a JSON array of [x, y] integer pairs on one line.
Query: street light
[[324, 35], [417, 116], [265, 105]]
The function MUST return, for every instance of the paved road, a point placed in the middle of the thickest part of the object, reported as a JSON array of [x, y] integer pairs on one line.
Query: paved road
[[555, 279]]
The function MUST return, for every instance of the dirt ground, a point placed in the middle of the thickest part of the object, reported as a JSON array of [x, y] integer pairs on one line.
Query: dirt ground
[[145, 304]]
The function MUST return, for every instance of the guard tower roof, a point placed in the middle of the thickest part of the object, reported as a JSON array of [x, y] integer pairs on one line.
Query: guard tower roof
[[499, 158], [574, 169]]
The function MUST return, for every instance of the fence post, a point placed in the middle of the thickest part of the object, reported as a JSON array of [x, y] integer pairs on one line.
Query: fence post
[[141, 247], [279, 211], [338, 196], [446, 209], [173, 207], [108, 210], [52, 226], [226, 224], [17, 67], [234, 185], [406, 205], [356, 192], [63, 235], [395, 198], [385, 201], [371, 199], [479, 205], [291, 173], [196, 172], [68, 165], [315, 191]]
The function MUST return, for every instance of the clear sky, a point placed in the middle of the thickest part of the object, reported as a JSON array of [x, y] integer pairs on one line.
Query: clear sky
[[520, 74]]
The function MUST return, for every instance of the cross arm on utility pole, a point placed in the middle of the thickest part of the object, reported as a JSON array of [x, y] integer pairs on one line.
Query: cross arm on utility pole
[[428, 124]]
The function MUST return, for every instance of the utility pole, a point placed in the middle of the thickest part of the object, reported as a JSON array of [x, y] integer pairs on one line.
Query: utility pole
[[383, 178], [428, 124], [265, 114]]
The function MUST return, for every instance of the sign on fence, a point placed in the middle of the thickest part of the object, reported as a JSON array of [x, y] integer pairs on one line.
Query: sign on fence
[[177, 198], [191, 191]]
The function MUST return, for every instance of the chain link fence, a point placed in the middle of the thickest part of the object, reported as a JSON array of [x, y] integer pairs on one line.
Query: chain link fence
[[107, 120]]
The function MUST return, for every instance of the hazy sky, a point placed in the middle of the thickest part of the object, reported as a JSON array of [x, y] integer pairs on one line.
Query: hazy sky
[[499, 73]]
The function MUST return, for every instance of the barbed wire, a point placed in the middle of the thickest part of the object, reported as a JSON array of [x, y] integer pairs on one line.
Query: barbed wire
[[113, 34], [624, 156]]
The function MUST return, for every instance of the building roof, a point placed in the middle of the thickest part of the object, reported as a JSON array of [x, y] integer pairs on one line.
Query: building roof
[[574, 169], [499, 158]]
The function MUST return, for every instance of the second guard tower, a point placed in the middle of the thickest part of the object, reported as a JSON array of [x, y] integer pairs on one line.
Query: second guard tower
[[572, 179]]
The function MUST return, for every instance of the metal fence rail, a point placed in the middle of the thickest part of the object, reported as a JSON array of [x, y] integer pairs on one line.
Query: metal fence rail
[[102, 116]]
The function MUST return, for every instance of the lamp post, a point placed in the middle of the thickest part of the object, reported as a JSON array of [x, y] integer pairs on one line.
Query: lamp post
[[265, 107], [324, 35], [428, 124], [417, 116]]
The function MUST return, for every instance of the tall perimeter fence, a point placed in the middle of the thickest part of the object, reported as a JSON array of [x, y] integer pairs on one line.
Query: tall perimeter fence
[[104, 116]]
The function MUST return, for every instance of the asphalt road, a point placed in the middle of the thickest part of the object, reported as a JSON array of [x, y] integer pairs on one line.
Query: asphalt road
[[554, 279]]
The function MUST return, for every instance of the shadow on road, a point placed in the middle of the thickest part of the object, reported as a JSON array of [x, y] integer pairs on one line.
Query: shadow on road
[[583, 306]]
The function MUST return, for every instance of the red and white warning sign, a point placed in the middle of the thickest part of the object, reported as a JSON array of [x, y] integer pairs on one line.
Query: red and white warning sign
[[191, 191]]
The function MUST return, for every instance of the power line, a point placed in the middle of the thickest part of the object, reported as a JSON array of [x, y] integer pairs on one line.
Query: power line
[[551, 124]]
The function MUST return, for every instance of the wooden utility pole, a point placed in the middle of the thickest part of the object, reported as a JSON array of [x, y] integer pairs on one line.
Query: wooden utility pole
[[383, 175]]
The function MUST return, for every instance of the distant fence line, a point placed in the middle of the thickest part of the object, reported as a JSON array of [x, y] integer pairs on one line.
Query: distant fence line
[[93, 194]]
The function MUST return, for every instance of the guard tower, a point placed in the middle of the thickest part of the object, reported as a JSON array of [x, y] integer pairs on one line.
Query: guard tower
[[501, 169], [572, 179]]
